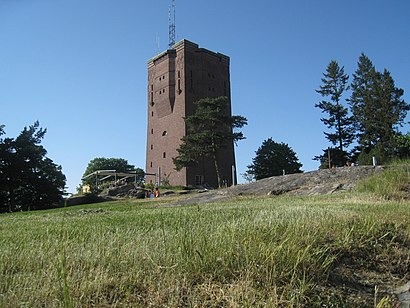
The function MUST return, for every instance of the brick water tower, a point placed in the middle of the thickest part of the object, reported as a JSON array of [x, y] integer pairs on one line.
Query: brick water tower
[[177, 78]]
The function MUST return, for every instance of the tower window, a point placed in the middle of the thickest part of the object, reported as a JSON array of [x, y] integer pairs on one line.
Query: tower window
[[164, 133], [164, 155], [152, 131], [152, 113], [151, 164], [152, 146], [199, 180]]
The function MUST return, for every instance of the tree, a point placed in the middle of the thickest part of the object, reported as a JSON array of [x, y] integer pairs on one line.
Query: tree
[[333, 87], [117, 164], [377, 107], [403, 146], [4, 169], [361, 98], [210, 129], [332, 157], [28, 179], [272, 159]]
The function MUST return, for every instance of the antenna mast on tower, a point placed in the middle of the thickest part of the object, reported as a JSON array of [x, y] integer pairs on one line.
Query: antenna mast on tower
[[171, 27]]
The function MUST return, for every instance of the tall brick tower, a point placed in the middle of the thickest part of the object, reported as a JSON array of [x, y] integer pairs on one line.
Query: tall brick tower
[[177, 78]]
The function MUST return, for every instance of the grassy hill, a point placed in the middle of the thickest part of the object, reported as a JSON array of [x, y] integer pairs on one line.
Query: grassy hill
[[349, 249]]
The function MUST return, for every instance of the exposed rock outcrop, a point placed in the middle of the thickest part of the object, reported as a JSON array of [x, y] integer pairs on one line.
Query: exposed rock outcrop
[[128, 190], [318, 182], [85, 199]]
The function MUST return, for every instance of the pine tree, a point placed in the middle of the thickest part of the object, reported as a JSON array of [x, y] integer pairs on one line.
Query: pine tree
[[333, 87], [361, 97], [28, 179], [377, 107], [210, 129]]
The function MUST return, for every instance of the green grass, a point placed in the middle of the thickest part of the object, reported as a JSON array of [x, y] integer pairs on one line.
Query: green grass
[[278, 251], [393, 183]]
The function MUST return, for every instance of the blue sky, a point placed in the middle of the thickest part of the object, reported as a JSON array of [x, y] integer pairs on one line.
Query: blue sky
[[80, 67]]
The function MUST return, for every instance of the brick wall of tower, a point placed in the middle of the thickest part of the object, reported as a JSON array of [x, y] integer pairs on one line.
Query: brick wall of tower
[[166, 110], [176, 79]]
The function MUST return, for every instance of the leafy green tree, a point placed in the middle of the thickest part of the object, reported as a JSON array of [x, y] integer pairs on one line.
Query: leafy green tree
[[378, 108], [272, 159], [102, 163], [403, 146], [210, 129], [338, 119], [28, 179]]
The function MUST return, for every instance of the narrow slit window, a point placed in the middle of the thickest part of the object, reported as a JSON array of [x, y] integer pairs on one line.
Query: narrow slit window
[[199, 180], [164, 155]]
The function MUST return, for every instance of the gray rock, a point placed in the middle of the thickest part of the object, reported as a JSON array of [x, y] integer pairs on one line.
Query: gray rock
[[85, 199], [403, 294], [320, 182]]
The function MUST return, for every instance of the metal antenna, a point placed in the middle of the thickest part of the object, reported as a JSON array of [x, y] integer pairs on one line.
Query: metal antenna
[[157, 43], [171, 27]]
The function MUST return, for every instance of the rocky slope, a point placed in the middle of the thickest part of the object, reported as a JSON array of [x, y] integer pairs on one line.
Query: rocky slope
[[318, 182]]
